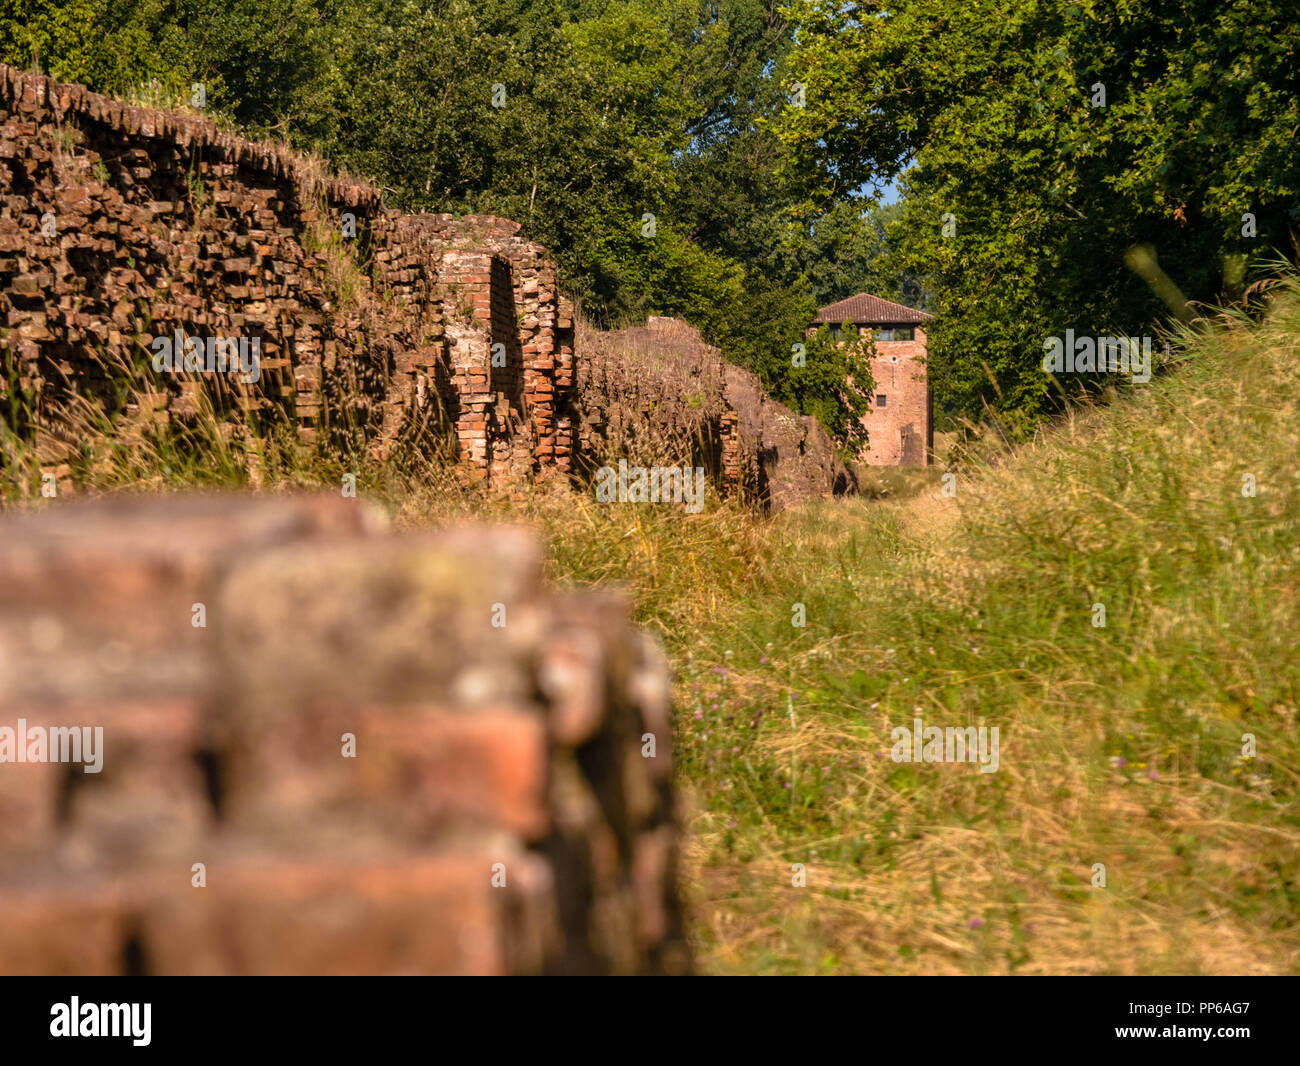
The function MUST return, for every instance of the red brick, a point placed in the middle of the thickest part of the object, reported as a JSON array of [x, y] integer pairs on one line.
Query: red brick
[[417, 769]]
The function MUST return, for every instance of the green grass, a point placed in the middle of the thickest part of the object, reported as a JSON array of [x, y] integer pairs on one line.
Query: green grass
[[1120, 745]]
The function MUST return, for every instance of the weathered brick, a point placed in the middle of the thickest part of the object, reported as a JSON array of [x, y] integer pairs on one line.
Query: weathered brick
[[373, 777], [487, 768], [390, 916]]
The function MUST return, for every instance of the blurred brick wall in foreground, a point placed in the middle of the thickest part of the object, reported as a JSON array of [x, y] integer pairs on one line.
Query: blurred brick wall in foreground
[[510, 753]]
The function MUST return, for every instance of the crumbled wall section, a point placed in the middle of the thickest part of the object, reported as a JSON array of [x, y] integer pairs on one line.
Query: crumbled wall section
[[760, 451], [420, 392], [499, 816], [119, 225], [511, 347], [122, 225], [653, 394]]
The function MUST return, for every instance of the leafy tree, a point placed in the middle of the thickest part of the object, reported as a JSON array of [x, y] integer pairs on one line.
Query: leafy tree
[[1022, 190], [111, 45], [262, 62], [835, 383], [844, 254]]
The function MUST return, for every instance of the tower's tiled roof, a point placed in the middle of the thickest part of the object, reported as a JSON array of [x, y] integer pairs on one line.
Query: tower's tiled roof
[[867, 309]]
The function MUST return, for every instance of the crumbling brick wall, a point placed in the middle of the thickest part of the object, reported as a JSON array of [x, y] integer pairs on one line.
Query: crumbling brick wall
[[505, 809], [653, 395], [120, 225], [511, 347], [643, 384]]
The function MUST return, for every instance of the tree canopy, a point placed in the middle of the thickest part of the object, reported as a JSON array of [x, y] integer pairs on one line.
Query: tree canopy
[[719, 160], [1037, 141]]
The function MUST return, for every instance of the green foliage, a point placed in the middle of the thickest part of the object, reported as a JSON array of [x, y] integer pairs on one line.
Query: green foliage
[[110, 45], [835, 384], [987, 110], [264, 63], [845, 251], [667, 274]]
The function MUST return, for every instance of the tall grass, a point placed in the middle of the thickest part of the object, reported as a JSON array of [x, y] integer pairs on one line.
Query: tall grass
[[1125, 745], [137, 433]]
